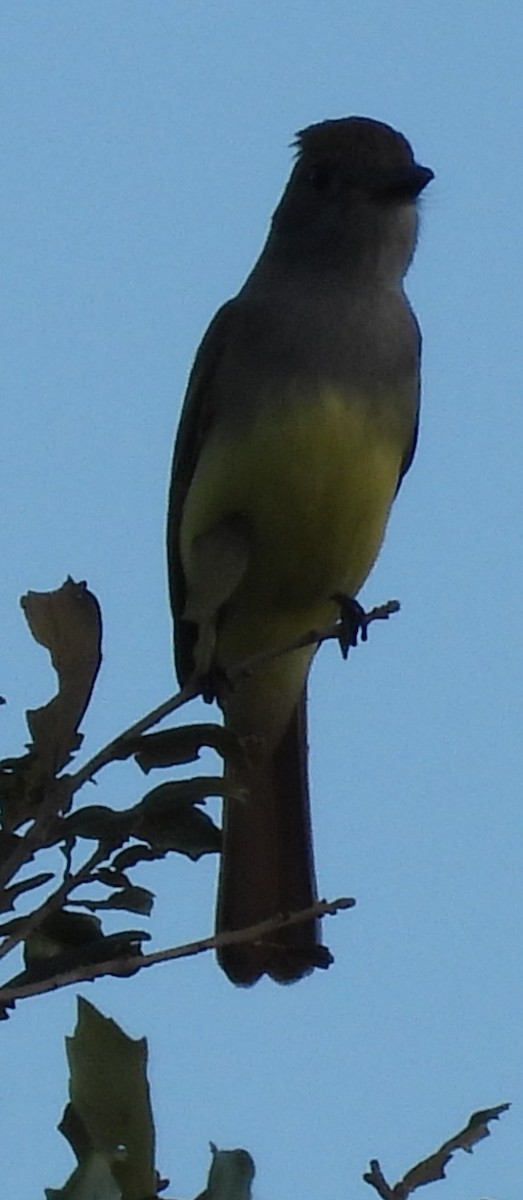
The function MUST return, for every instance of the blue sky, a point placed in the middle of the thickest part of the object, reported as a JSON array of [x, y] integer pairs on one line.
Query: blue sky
[[144, 147]]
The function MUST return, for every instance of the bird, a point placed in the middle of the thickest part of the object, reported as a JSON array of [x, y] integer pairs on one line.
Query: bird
[[299, 422]]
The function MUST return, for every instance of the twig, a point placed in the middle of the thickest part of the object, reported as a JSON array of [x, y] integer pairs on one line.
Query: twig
[[59, 791], [136, 962], [34, 839], [313, 637], [114, 748], [377, 1180], [34, 919]]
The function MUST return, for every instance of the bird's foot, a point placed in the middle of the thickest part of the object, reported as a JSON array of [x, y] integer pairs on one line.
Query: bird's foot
[[353, 622], [212, 683]]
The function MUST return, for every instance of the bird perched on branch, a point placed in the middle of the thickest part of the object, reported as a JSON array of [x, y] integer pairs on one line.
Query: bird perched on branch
[[299, 423]]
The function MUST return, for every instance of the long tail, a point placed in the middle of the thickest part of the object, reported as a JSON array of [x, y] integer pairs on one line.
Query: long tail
[[267, 866]]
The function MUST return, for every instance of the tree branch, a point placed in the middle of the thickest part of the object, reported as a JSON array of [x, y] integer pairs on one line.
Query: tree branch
[[313, 637], [137, 962], [377, 1180], [59, 792], [115, 749], [54, 901]]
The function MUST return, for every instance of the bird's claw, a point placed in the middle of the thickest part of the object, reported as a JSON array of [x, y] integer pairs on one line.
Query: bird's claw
[[353, 622]]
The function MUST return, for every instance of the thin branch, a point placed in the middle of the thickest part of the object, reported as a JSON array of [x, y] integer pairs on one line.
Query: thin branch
[[313, 637], [377, 1180], [116, 747], [54, 901], [34, 839], [113, 749], [59, 792], [137, 962]]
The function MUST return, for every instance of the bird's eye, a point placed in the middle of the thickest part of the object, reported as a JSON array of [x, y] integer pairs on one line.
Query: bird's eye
[[321, 177]]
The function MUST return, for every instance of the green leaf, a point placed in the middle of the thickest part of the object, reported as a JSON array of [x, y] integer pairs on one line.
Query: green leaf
[[109, 1090], [135, 854], [168, 820], [92, 1180], [98, 823], [22, 784], [178, 793], [49, 953], [73, 1130], [60, 932], [8, 843], [111, 878], [132, 899], [172, 747], [11, 894], [231, 1175]]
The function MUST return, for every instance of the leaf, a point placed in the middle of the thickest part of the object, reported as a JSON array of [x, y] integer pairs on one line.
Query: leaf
[[172, 747], [230, 1176], [8, 843], [92, 1180], [67, 940], [111, 878], [430, 1169], [135, 854], [73, 1130], [59, 933], [98, 823], [9, 896], [109, 1091], [132, 899], [178, 793], [22, 783], [68, 623], [168, 820], [433, 1168]]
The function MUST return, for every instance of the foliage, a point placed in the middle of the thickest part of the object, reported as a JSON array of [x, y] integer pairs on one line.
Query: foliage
[[40, 811], [109, 1125]]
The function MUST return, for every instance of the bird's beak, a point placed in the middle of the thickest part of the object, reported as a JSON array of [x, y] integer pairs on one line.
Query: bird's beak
[[421, 176]]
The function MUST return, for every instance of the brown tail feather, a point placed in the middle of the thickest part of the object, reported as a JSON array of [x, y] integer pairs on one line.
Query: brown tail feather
[[267, 865]]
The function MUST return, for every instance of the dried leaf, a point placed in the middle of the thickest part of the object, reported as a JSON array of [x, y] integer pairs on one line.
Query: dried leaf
[[109, 1091], [68, 623], [430, 1169], [433, 1168]]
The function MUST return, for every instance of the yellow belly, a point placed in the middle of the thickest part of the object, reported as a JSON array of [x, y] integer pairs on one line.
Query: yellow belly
[[315, 482]]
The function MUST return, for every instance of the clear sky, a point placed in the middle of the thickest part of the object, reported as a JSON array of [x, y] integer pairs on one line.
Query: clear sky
[[144, 147]]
